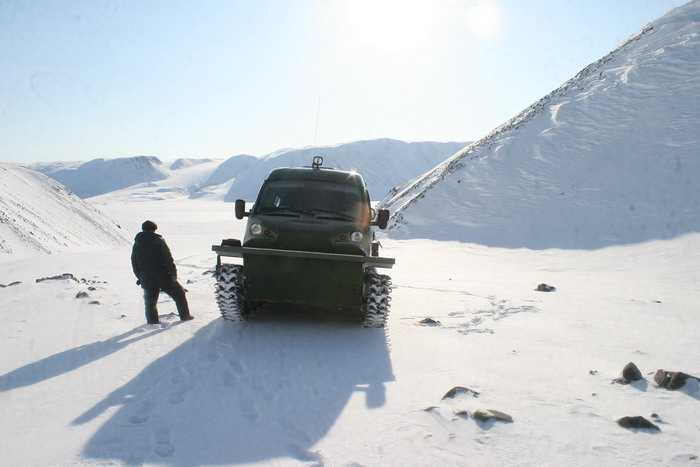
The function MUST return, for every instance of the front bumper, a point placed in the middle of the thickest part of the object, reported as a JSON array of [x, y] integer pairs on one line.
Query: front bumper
[[242, 251], [328, 280]]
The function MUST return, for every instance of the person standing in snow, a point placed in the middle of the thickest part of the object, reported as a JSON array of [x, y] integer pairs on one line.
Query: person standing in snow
[[155, 271]]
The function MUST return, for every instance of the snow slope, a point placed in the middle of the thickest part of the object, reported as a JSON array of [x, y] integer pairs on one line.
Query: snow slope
[[184, 180], [383, 163], [37, 214], [187, 162], [292, 389], [100, 176], [231, 169], [610, 157]]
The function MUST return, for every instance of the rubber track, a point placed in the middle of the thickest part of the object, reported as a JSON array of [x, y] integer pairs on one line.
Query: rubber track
[[377, 299], [229, 292]]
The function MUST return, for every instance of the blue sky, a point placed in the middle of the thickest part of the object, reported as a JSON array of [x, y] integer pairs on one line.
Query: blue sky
[[86, 79]]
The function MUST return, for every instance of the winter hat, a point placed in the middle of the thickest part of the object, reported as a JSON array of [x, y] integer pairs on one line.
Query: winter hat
[[149, 226]]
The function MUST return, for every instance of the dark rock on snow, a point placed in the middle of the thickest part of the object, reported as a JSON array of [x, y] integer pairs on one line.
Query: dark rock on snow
[[637, 423], [671, 379], [545, 288], [59, 277], [429, 322], [458, 390], [11, 284], [82, 294], [631, 373], [94, 302], [484, 415]]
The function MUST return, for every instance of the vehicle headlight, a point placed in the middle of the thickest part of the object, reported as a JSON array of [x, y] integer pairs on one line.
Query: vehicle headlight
[[356, 237], [256, 229]]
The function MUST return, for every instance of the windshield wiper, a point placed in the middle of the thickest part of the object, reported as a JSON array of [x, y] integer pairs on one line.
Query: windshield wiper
[[280, 212], [333, 215]]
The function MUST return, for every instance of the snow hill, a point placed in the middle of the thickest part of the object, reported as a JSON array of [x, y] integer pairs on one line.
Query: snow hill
[[100, 176], [609, 157], [231, 168], [187, 162], [384, 163], [182, 179], [38, 214]]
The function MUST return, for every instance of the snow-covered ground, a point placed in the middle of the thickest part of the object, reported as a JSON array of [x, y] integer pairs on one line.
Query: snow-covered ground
[[610, 157], [91, 385]]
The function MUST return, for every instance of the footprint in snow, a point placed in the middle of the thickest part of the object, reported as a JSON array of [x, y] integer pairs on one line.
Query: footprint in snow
[[247, 409], [236, 367], [163, 447], [229, 379], [138, 419], [177, 397], [143, 413]]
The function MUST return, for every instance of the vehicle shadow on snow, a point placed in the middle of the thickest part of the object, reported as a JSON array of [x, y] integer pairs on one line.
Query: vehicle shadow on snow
[[72, 359], [241, 393]]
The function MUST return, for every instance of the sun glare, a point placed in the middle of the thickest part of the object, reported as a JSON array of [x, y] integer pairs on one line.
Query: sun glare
[[390, 26], [406, 27], [484, 19]]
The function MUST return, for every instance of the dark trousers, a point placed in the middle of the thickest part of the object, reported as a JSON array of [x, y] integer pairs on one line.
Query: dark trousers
[[176, 292]]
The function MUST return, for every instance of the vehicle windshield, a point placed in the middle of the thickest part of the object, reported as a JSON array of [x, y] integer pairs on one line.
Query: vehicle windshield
[[318, 198]]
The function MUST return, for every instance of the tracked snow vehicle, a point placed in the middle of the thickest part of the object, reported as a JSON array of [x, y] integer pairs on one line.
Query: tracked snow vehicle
[[309, 241]]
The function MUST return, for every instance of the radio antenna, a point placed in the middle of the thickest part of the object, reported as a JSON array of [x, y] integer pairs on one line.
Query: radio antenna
[[318, 114]]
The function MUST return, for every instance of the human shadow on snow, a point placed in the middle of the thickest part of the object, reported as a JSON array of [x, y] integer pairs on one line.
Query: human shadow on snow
[[242, 393], [72, 359]]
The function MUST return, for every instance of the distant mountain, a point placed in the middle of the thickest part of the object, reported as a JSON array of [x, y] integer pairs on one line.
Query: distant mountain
[[383, 163], [230, 169], [37, 214], [100, 176], [187, 162], [612, 156]]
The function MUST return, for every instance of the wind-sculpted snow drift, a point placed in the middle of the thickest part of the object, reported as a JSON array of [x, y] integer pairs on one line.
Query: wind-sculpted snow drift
[[610, 157], [37, 214]]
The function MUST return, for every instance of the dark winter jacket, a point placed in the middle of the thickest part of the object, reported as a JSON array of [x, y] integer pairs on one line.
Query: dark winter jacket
[[151, 260]]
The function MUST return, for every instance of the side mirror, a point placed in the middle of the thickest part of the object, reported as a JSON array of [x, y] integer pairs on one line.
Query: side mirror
[[382, 218], [240, 209]]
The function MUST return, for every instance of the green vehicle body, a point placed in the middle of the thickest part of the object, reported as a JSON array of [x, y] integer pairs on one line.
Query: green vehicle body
[[309, 239]]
